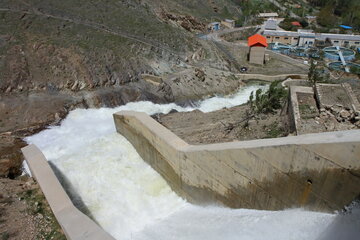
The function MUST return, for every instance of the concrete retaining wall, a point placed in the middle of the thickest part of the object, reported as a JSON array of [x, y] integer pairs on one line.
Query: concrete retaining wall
[[318, 171], [294, 111], [75, 224], [287, 59], [269, 78], [355, 104]]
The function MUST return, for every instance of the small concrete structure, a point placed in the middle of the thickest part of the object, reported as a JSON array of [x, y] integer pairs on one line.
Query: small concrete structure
[[355, 104], [316, 171], [271, 24], [293, 108], [329, 95], [310, 19], [229, 23], [268, 15], [214, 26], [75, 224], [257, 45]]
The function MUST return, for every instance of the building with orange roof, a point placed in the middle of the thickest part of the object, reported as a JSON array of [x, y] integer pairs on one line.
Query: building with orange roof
[[257, 44], [297, 24]]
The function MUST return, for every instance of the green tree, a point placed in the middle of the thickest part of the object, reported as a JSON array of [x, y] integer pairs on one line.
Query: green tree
[[313, 74], [269, 101], [317, 72], [326, 17], [347, 10]]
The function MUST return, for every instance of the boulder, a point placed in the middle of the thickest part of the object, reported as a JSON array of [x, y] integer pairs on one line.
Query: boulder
[[200, 74], [345, 114]]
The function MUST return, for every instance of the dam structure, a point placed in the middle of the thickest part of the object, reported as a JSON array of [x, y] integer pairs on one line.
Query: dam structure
[[111, 190], [318, 171]]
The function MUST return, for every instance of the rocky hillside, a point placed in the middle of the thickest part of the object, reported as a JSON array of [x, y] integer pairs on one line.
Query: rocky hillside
[[79, 45], [59, 55]]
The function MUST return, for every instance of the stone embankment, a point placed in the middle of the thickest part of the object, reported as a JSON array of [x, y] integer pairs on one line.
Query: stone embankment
[[316, 171]]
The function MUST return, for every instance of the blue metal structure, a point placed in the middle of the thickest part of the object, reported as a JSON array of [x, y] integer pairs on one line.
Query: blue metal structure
[[215, 26], [345, 27]]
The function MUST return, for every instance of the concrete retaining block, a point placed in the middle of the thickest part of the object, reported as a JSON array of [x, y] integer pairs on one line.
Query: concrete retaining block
[[269, 78], [317, 171], [294, 111], [75, 224]]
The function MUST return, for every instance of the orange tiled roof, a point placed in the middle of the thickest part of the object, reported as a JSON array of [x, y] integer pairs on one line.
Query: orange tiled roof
[[257, 40], [296, 24]]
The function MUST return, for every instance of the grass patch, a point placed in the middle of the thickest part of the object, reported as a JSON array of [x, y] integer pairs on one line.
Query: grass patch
[[274, 131], [307, 111], [37, 206], [4, 236]]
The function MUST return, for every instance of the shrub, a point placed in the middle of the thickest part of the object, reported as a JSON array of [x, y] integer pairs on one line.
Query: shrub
[[269, 101], [354, 70]]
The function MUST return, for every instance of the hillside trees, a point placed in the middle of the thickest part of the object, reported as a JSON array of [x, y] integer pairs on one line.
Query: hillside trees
[[325, 16], [347, 10]]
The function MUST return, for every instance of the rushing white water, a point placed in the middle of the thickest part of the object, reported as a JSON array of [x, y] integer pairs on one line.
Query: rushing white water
[[103, 171]]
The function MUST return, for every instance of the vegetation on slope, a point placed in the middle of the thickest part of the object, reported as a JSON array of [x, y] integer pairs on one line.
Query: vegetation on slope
[[347, 12], [269, 101]]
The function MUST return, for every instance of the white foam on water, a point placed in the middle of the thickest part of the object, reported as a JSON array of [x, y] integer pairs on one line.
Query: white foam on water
[[214, 223], [241, 97], [130, 200]]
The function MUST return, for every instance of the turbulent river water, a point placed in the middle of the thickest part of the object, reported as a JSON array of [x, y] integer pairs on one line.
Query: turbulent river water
[[108, 180]]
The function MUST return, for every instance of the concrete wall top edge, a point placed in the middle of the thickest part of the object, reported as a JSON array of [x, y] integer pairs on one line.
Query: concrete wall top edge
[[269, 78], [301, 89], [75, 224], [161, 131], [306, 139]]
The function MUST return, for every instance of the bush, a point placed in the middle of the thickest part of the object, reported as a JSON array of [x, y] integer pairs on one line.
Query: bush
[[269, 101], [354, 70]]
